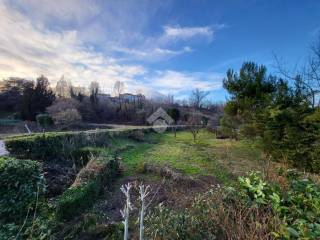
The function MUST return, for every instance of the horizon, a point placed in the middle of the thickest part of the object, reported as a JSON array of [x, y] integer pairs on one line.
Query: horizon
[[167, 47]]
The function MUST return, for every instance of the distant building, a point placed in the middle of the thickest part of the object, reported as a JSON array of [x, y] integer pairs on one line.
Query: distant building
[[132, 98]]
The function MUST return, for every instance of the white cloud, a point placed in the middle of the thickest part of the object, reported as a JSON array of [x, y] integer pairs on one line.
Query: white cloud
[[174, 82], [58, 11], [28, 51], [30, 46], [188, 32]]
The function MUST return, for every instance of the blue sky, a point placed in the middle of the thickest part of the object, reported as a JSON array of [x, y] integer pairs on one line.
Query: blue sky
[[154, 47]]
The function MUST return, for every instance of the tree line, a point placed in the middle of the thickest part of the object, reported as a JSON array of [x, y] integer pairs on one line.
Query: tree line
[[67, 104]]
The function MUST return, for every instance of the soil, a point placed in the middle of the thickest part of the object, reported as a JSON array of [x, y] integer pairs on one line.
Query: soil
[[58, 178], [172, 193]]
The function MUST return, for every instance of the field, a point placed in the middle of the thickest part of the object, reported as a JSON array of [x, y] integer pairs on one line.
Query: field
[[208, 162], [224, 159], [84, 171]]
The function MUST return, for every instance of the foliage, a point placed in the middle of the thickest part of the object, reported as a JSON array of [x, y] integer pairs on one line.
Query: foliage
[[253, 209], [20, 182], [298, 207], [280, 113], [59, 145], [68, 116], [212, 216], [174, 113], [36, 98], [81, 156], [44, 120], [64, 111], [82, 194], [11, 91]]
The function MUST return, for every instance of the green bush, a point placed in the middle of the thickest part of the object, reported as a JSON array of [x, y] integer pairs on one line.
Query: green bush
[[75, 199], [59, 145], [44, 120], [253, 209], [20, 181], [298, 207], [82, 156], [88, 185]]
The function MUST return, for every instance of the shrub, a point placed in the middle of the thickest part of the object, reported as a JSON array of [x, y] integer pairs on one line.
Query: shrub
[[44, 120], [213, 215], [137, 135], [254, 209], [60, 145], [64, 111], [20, 181], [298, 208], [66, 117], [81, 156], [86, 188], [75, 199]]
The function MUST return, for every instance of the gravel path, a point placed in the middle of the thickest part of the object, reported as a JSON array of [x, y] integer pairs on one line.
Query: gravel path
[[3, 150]]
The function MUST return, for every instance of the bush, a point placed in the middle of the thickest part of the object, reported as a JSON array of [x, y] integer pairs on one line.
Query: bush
[[137, 135], [20, 181], [64, 111], [75, 199], [44, 120], [86, 188], [60, 145], [298, 207], [82, 156], [67, 117], [254, 209], [212, 216]]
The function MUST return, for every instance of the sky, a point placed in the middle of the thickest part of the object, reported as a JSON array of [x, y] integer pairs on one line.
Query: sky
[[155, 47]]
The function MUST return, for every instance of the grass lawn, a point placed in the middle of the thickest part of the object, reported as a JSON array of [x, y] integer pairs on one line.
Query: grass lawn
[[225, 159]]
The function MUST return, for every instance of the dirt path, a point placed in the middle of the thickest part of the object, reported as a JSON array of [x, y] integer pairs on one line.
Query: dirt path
[[3, 150]]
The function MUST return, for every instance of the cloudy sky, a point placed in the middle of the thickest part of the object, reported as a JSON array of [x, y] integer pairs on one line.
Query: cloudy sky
[[166, 47]]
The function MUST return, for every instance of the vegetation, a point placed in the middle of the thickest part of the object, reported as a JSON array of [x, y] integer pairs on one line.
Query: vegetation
[[232, 181], [57, 146], [86, 188], [21, 181], [279, 113], [254, 209]]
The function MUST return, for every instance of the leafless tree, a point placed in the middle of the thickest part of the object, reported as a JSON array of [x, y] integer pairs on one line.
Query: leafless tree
[[63, 88], [118, 89], [302, 74], [197, 98], [194, 124], [313, 68]]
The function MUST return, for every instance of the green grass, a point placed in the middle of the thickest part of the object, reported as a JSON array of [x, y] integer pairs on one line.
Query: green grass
[[225, 159]]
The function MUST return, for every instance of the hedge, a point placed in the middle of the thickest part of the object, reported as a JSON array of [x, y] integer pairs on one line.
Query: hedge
[[20, 182], [86, 189], [60, 145], [81, 156]]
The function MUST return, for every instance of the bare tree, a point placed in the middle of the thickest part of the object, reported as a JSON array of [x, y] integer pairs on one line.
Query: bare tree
[[63, 88], [118, 89], [194, 124], [94, 89], [197, 98], [313, 68], [303, 75]]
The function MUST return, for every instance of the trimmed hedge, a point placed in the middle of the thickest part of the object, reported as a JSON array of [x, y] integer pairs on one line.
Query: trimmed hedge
[[86, 189], [20, 182], [60, 145], [82, 156]]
